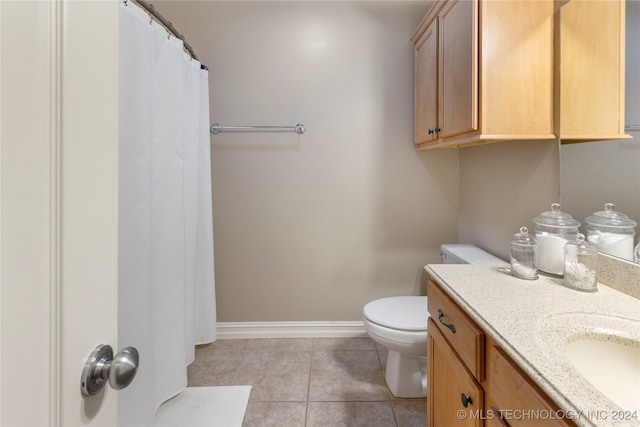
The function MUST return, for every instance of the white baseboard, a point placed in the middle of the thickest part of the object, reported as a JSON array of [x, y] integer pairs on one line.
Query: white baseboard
[[235, 330]]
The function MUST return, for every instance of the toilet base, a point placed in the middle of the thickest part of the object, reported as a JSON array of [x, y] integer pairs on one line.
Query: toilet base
[[406, 376]]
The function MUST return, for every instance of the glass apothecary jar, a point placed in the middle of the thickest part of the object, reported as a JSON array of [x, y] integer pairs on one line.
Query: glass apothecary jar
[[581, 265], [524, 253], [554, 229], [611, 232]]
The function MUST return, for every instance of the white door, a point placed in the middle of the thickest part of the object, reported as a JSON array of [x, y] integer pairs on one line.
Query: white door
[[58, 207]]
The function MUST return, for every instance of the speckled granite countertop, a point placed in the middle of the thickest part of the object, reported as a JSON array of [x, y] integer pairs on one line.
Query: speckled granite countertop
[[530, 321]]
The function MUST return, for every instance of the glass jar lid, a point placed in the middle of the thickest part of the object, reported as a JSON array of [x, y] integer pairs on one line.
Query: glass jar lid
[[556, 218], [609, 217], [581, 245], [523, 238]]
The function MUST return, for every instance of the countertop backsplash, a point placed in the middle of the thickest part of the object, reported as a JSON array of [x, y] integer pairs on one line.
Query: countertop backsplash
[[619, 274]]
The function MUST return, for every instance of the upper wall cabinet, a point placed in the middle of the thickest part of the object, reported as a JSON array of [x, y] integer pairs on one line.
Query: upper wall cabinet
[[591, 54], [484, 72]]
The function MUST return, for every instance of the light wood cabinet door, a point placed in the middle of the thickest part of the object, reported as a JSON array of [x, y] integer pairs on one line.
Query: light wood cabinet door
[[494, 421], [516, 70], [592, 61], [513, 395], [458, 60], [426, 86], [449, 380]]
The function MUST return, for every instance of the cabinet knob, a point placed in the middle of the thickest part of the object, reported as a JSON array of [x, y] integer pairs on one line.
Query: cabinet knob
[[430, 131], [466, 400], [438, 129]]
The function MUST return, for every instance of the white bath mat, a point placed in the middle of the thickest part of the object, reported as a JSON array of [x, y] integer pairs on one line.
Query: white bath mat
[[205, 406]]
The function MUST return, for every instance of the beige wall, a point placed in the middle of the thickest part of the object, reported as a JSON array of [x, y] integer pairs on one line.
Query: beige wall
[[601, 172], [503, 187], [312, 227]]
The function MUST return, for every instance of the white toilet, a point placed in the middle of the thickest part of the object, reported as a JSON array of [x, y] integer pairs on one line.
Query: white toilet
[[400, 325]]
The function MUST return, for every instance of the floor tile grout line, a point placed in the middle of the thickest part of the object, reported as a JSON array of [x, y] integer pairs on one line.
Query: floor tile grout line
[[393, 412], [315, 349], [306, 411], [241, 365]]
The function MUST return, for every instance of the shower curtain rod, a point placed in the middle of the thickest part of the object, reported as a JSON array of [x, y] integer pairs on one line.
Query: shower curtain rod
[[151, 10]]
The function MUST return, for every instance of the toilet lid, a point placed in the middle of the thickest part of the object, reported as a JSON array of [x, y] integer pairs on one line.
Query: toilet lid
[[404, 313]]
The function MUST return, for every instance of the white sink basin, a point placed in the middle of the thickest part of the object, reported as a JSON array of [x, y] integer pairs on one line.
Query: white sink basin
[[603, 350], [611, 364]]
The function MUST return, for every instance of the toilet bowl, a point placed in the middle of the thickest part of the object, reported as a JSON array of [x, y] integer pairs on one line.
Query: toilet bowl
[[400, 324]]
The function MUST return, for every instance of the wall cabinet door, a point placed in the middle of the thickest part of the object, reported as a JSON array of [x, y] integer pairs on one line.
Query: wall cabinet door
[[450, 384], [426, 86], [458, 41], [592, 61]]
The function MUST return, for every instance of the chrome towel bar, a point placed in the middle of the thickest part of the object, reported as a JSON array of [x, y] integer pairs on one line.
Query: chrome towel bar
[[632, 128], [216, 128]]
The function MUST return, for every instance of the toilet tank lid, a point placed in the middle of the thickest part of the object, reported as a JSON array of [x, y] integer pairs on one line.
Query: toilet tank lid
[[465, 253], [407, 313]]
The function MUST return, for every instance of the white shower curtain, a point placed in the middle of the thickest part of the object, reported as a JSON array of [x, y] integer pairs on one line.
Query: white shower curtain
[[165, 242]]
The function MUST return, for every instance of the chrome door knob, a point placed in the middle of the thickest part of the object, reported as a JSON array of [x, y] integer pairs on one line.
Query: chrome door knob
[[101, 367], [123, 368]]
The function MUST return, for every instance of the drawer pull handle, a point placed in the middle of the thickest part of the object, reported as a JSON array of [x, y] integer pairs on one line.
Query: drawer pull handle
[[466, 400], [447, 324], [495, 414]]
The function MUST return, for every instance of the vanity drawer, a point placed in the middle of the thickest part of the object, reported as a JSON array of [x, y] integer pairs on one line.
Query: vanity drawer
[[464, 336], [514, 396]]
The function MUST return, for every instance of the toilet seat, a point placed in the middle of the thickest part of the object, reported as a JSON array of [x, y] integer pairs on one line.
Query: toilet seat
[[405, 313]]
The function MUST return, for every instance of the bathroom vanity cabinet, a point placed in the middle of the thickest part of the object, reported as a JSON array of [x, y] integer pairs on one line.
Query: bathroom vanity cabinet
[[483, 72], [471, 381]]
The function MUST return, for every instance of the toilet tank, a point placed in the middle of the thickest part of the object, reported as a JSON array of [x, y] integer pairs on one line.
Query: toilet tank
[[464, 253]]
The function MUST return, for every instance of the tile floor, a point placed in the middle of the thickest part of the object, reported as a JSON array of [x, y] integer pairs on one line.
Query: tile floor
[[308, 382]]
